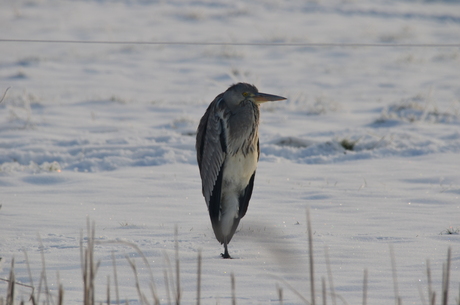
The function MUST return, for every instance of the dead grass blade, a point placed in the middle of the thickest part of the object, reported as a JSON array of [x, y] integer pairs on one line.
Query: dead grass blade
[[329, 276], [176, 248], [445, 278], [143, 300], [365, 287], [10, 289], [395, 277], [310, 251], [4, 94], [198, 280], [232, 279]]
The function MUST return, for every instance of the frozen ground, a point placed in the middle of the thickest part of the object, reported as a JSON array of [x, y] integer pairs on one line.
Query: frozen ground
[[106, 131]]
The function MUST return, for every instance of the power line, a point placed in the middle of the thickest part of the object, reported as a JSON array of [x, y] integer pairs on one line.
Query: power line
[[271, 44]]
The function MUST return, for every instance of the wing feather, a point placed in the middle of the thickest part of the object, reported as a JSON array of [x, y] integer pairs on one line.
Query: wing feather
[[246, 196], [211, 149]]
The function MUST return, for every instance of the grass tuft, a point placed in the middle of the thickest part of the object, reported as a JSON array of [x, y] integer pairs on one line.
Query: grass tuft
[[348, 144], [450, 231]]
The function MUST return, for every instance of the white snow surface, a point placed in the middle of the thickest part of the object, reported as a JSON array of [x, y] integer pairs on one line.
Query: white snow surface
[[106, 132]]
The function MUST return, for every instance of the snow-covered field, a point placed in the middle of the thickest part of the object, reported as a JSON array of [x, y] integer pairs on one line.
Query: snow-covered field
[[107, 132]]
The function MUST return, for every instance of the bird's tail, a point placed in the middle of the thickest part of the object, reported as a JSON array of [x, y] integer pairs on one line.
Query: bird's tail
[[218, 232]]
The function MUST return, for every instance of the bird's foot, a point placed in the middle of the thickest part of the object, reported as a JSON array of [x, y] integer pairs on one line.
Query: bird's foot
[[225, 255]]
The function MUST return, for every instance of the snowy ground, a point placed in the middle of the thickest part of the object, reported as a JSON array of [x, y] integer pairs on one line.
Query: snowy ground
[[106, 131]]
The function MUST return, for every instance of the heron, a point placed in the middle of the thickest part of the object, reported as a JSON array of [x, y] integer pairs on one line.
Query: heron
[[227, 146]]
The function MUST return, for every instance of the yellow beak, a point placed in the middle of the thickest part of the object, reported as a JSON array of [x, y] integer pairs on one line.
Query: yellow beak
[[260, 98]]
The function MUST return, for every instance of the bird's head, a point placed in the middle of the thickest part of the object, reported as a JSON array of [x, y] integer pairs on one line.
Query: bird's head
[[240, 92]]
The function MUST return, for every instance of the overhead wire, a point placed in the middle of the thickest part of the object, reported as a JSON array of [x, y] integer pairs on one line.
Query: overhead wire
[[271, 44]]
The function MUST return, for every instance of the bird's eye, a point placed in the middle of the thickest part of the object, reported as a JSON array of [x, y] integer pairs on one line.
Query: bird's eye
[[245, 94]]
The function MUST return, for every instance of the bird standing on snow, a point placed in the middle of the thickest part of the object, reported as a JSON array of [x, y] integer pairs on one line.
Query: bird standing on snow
[[227, 146]]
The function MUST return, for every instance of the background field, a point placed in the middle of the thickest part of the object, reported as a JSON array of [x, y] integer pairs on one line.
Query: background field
[[369, 139]]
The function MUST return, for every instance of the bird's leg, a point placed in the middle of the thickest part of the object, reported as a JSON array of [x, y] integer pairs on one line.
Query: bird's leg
[[225, 254]]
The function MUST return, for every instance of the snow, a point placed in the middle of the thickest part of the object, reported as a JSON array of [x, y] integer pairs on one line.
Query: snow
[[106, 132]]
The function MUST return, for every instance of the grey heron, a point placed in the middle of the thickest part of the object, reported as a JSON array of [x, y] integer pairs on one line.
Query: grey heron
[[227, 146]]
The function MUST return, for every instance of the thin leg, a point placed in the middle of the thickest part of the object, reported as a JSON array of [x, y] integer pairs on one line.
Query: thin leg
[[225, 254]]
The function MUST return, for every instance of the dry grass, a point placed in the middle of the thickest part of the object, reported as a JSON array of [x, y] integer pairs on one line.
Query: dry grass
[[173, 286]]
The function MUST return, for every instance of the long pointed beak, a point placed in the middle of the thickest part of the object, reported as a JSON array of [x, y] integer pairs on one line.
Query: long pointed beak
[[260, 98]]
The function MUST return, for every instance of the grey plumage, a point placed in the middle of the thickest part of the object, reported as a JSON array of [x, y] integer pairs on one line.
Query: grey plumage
[[227, 146]]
